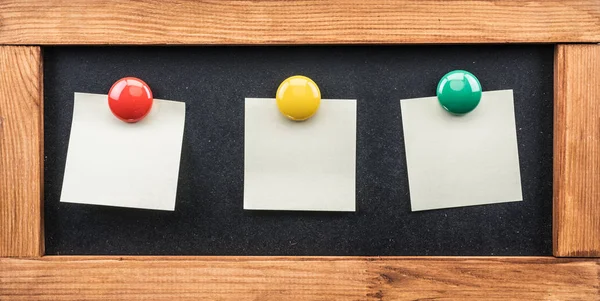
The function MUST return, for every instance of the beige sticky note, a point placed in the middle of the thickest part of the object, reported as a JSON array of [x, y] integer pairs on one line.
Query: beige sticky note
[[113, 163], [463, 160], [308, 165]]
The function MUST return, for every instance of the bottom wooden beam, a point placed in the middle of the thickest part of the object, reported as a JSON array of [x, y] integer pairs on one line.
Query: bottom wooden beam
[[299, 278]]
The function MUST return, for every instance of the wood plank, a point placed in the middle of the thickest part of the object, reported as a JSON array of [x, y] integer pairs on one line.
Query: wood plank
[[299, 278], [21, 151], [297, 22], [576, 220]]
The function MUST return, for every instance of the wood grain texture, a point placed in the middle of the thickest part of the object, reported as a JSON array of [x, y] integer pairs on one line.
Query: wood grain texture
[[297, 22], [300, 278], [21, 148], [576, 220]]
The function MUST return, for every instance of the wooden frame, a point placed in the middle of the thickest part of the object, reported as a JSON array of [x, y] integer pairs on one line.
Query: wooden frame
[[25, 273]]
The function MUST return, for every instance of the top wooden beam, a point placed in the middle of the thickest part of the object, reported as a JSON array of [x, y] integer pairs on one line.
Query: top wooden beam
[[169, 22]]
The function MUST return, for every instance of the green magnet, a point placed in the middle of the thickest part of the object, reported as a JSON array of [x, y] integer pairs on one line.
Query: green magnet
[[459, 92]]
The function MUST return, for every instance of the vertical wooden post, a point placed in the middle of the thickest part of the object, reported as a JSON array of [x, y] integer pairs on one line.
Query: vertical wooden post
[[21, 152], [576, 221]]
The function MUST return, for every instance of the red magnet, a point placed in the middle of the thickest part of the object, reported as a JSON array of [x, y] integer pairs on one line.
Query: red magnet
[[130, 99]]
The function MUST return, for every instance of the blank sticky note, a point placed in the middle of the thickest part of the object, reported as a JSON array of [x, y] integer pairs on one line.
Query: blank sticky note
[[308, 165], [113, 163], [463, 160]]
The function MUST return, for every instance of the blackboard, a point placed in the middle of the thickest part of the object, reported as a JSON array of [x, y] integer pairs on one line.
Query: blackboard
[[213, 81]]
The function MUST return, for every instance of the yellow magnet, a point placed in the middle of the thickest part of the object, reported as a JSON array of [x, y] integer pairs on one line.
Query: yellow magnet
[[298, 97]]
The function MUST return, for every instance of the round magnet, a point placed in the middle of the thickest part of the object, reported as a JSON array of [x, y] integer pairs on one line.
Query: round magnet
[[130, 99], [459, 92], [298, 97]]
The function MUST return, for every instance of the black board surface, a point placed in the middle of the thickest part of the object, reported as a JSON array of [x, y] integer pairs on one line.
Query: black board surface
[[213, 82]]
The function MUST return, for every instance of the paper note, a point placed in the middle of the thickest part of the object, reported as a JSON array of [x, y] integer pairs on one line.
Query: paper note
[[308, 165], [113, 163], [461, 160]]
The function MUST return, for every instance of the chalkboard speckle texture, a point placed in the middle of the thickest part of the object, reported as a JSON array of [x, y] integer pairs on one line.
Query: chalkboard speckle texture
[[213, 81]]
